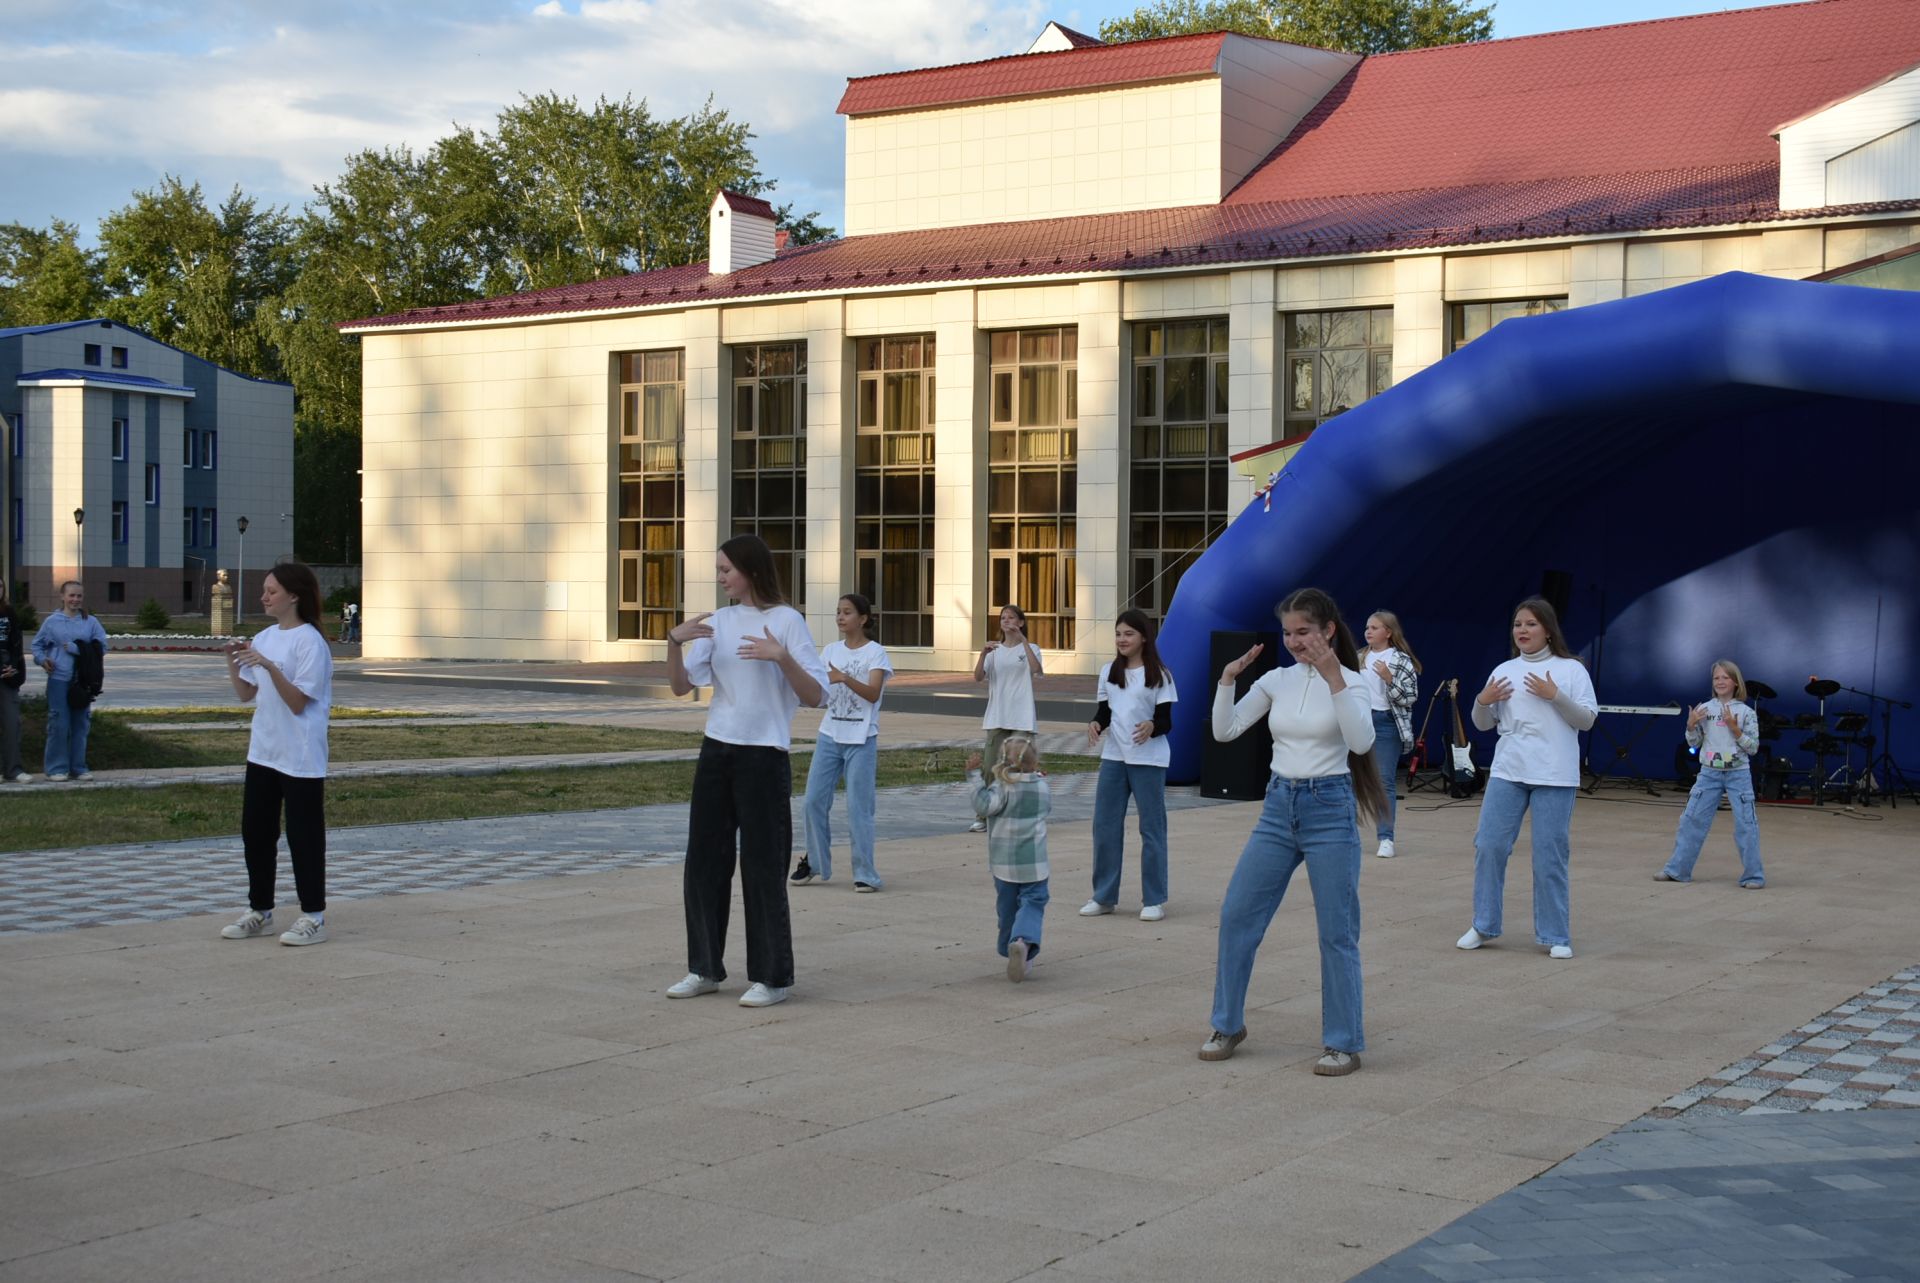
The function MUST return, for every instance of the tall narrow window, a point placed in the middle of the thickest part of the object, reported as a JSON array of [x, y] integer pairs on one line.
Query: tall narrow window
[[1032, 491], [191, 440], [1335, 360], [209, 448], [153, 483], [770, 455], [1468, 321], [209, 528], [119, 438], [893, 485], [652, 491], [1178, 474], [17, 429], [119, 520], [190, 527]]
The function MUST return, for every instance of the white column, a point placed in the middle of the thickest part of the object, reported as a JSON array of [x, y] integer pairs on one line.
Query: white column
[[1100, 473], [1253, 370], [704, 462], [829, 483], [1419, 314], [959, 480]]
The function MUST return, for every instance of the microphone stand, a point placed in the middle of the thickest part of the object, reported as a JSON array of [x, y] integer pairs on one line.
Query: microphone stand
[[1888, 768]]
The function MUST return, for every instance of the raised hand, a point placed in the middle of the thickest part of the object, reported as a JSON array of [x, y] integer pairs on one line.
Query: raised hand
[[762, 648], [1381, 670], [692, 629], [835, 677], [1542, 686], [1231, 673], [1317, 653], [1498, 691], [1696, 715], [1730, 719]]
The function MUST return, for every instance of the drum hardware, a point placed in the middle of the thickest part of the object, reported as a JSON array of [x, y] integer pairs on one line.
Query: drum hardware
[[1758, 691], [1883, 775], [1650, 714], [1821, 687], [1809, 722]]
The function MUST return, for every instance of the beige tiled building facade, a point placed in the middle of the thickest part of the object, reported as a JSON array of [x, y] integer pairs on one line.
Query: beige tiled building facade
[[1031, 391]]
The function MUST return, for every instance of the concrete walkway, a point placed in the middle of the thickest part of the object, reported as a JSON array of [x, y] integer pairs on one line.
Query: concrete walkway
[[487, 1082]]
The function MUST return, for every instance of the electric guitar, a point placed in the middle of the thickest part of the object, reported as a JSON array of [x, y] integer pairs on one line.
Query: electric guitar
[[1463, 777]]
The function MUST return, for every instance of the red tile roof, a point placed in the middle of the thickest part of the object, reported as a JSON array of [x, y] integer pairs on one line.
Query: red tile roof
[[1667, 95], [1648, 126], [1021, 75], [747, 204]]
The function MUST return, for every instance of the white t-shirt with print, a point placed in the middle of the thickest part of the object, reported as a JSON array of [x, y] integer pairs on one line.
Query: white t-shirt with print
[[291, 743], [1009, 688], [1537, 745], [1131, 703], [753, 703], [850, 719]]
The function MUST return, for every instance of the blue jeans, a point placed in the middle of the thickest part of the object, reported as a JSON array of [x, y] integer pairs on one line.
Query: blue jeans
[[1147, 785], [66, 731], [859, 763], [1302, 820], [1386, 759], [1737, 784], [1506, 802], [1022, 907]]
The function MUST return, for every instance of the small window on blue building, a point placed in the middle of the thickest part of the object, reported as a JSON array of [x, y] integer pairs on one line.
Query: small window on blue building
[[192, 440], [17, 429], [153, 483], [209, 528], [119, 520], [119, 358], [190, 526], [119, 438], [91, 354], [210, 449]]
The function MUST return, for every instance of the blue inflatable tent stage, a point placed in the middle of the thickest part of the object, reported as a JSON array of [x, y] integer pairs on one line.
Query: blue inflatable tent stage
[[1729, 468]]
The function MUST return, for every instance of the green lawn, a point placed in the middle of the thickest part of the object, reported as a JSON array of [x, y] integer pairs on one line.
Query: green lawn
[[63, 815]]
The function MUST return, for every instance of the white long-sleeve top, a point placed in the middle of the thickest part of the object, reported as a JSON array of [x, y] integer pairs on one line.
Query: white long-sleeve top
[[1539, 739], [1313, 728]]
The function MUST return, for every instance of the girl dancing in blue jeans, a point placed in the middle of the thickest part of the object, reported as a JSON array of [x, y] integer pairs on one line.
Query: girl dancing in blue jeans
[[1726, 733], [1323, 779]]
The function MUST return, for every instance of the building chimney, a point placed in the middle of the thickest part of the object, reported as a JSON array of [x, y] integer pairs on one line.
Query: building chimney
[[739, 233], [780, 235]]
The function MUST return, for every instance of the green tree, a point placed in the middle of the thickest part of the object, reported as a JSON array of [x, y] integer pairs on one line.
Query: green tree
[[1357, 26], [196, 276], [45, 277]]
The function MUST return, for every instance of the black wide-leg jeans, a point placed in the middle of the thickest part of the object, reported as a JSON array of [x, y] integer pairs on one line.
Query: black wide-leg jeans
[[743, 793], [267, 791]]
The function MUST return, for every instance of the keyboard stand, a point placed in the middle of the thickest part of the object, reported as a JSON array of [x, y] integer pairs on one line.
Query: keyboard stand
[[1623, 749]]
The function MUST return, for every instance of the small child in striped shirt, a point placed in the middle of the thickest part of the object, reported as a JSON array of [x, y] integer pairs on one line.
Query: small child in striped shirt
[[1015, 803]]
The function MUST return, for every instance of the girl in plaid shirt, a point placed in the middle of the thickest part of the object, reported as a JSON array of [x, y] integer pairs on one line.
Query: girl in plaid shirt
[[1014, 804]]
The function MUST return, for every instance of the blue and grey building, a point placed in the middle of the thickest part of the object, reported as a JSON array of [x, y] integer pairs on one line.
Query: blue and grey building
[[161, 451]]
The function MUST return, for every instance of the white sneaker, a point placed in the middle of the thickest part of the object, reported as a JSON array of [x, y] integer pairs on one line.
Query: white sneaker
[[1154, 913], [56, 777], [693, 986], [978, 826], [1018, 961], [252, 923], [305, 930], [1560, 951], [22, 778], [1093, 909], [1472, 940], [1386, 851], [759, 995]]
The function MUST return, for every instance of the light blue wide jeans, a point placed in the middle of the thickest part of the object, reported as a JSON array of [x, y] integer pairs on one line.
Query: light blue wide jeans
[[1500, 813], [1311, 821], [1147, 785], [859, 763], [1386, 759], [1022, 907], [1737, 784], [66, 731]]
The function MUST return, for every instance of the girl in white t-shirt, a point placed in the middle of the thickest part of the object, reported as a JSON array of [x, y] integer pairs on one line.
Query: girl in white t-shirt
[[1392, 675], [1008, 667], [759, 659], [1135, 698], [1541, 699], [848, 744], [286, 672]]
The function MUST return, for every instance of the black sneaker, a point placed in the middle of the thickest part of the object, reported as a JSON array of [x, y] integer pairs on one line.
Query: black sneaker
[[864, 888], [802, 874]]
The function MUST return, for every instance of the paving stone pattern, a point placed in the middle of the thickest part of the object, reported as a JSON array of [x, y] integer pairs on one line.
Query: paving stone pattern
[[1810, 1173], [54, 890], [1864, 1054]]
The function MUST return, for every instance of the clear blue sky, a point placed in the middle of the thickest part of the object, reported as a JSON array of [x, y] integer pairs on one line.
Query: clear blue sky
[[101, 99]]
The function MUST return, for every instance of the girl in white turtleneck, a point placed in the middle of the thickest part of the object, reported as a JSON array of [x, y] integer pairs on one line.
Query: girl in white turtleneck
[[1540, 700]]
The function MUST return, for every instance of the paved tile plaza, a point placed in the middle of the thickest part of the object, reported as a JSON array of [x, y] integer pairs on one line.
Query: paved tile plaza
[[480, 1078]]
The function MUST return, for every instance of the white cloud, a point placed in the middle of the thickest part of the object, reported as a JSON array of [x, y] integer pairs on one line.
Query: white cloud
[[231, 90]]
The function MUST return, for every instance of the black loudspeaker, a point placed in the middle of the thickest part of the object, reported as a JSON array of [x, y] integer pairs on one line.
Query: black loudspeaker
[[1238, 770], [1557, 587]]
